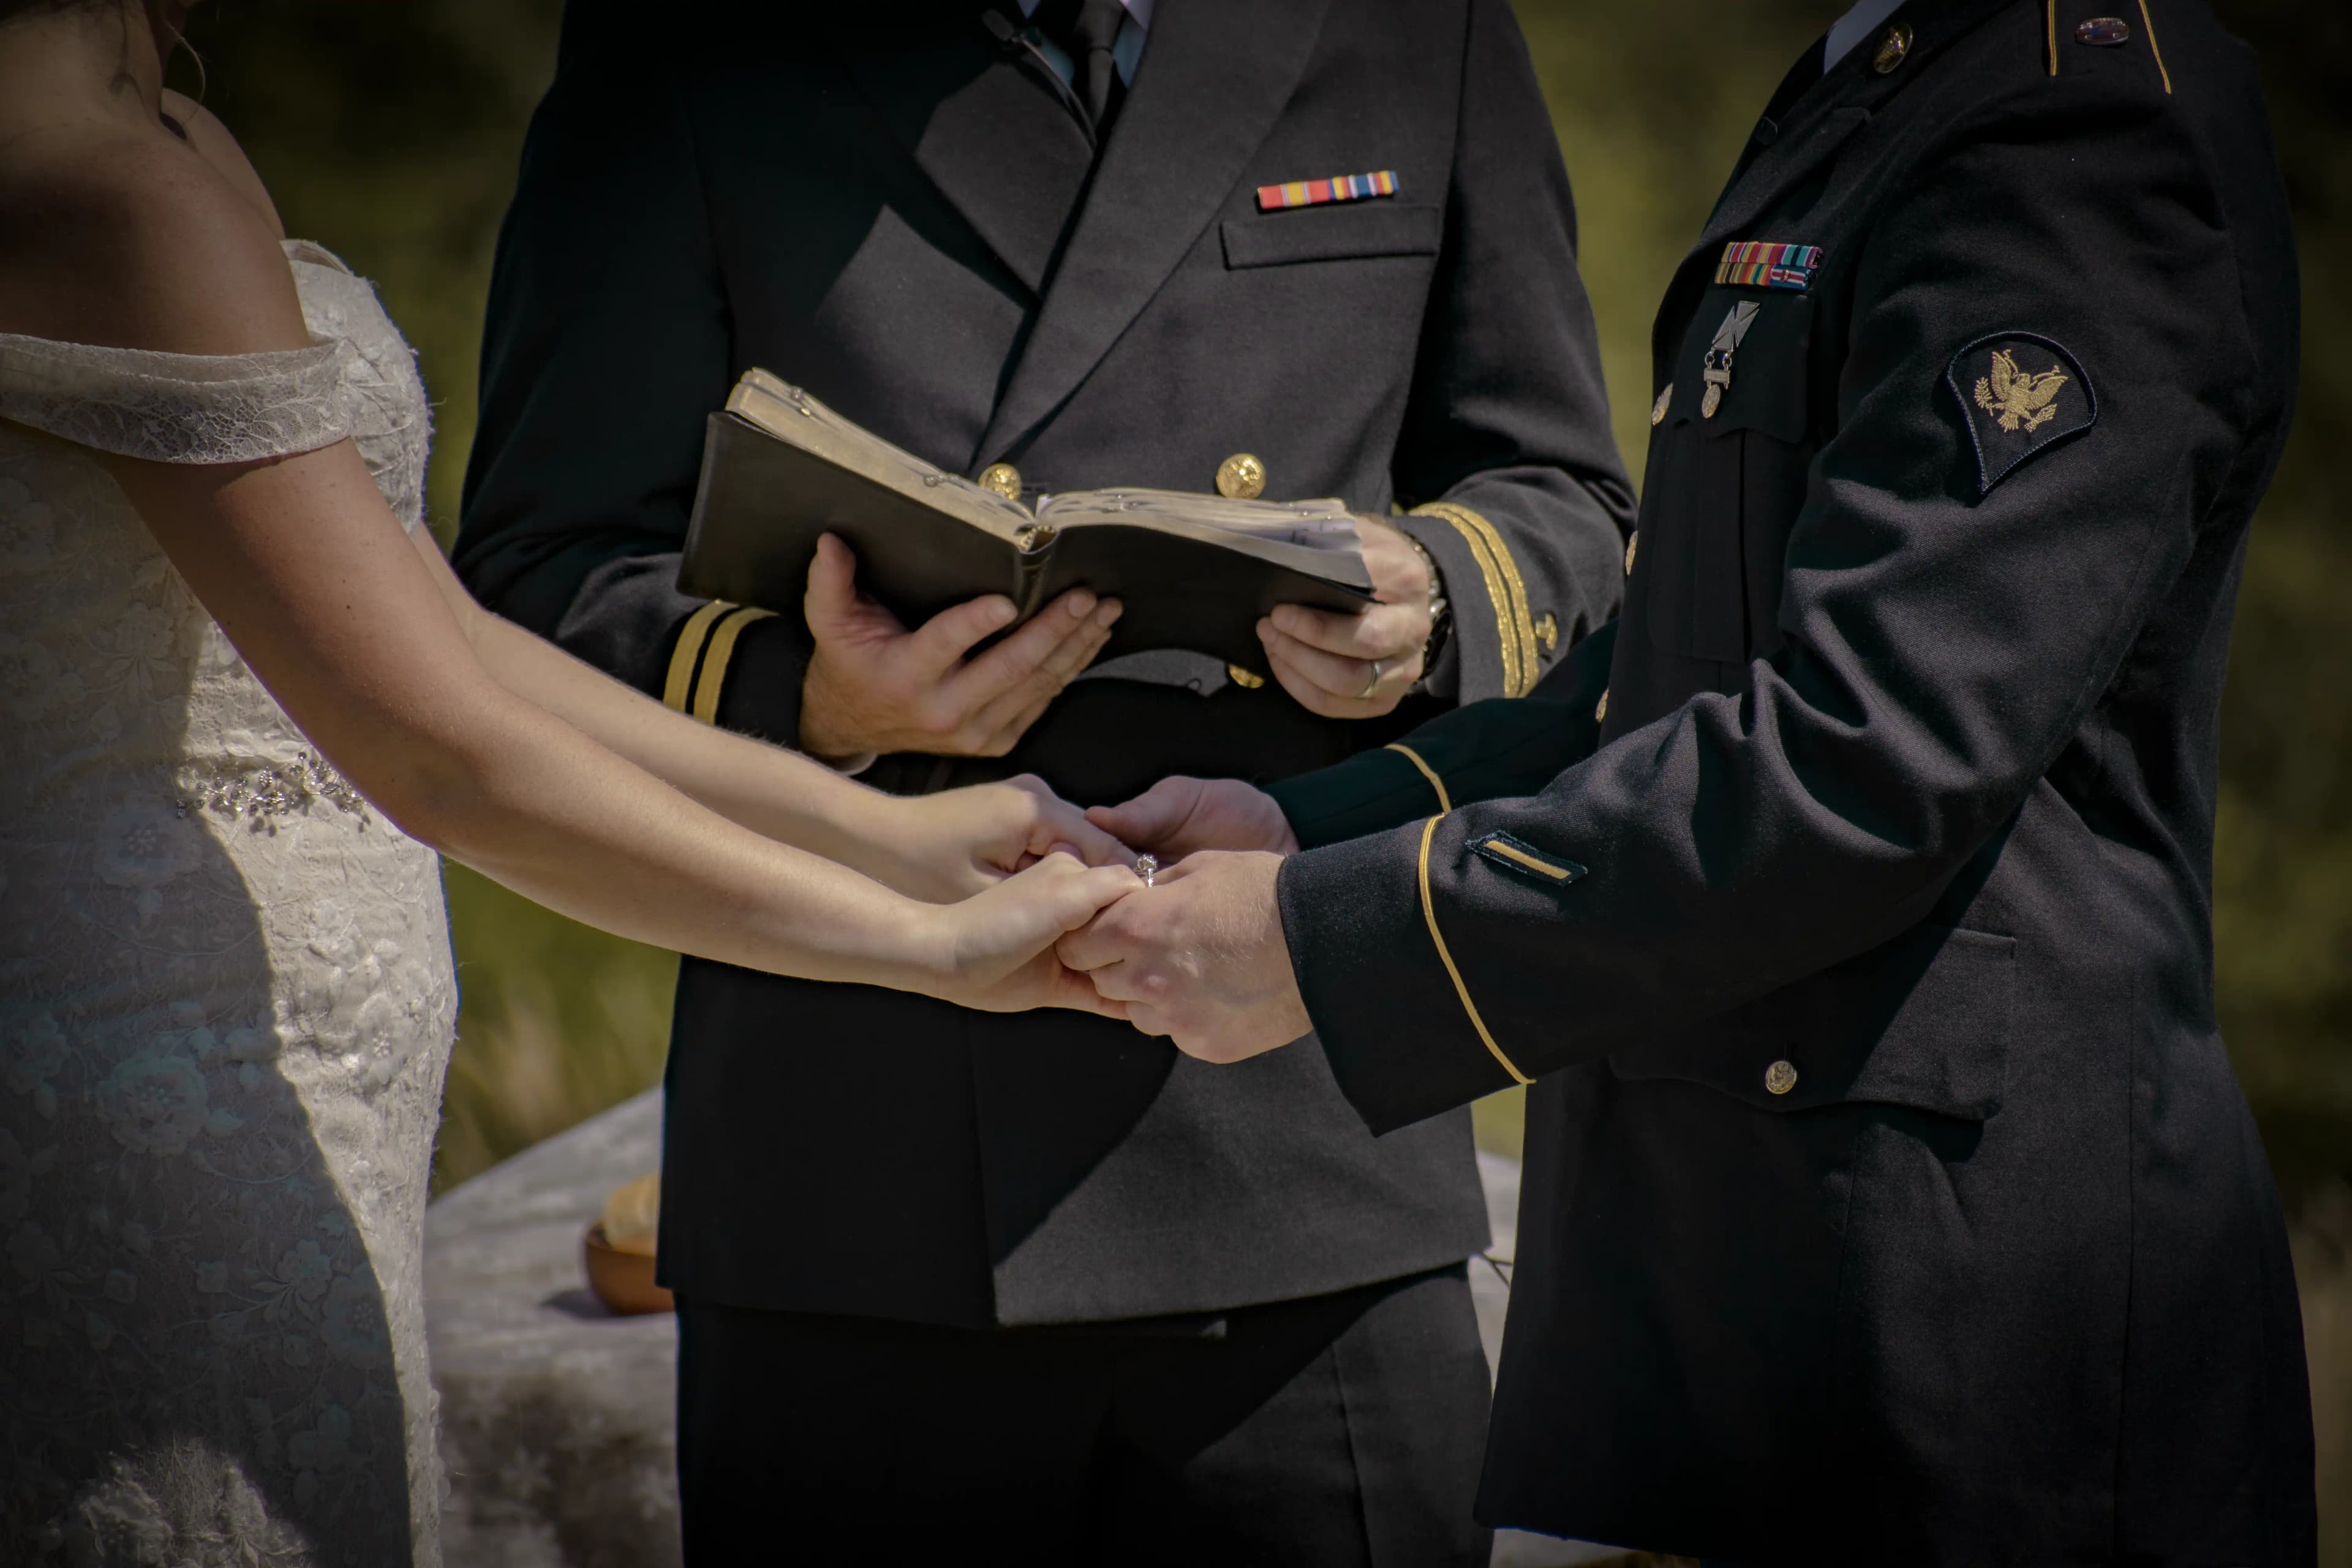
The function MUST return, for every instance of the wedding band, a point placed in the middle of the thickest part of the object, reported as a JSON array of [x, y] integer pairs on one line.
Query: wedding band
[[1373, 684]]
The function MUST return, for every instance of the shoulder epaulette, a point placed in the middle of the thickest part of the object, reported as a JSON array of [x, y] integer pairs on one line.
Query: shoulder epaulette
[[2064, 28]]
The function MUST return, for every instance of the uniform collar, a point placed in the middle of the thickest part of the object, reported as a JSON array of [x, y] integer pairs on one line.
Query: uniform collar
[[1853, 27], [1840, 104]]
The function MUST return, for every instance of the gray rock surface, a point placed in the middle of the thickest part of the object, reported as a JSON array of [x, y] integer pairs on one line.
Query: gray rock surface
[[556, 1424]]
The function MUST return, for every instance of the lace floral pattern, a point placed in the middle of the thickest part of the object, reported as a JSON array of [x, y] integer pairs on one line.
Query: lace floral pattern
[[139, 404], [225, 1003]]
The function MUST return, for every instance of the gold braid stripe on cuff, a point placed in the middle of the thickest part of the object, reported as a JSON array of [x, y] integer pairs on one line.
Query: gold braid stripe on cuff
[[1429, 911], [1444, 801], [713, 679], [1515, 628], [687, 655]]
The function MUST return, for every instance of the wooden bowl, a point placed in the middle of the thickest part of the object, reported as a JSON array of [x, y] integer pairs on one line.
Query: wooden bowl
[[621, 1280]]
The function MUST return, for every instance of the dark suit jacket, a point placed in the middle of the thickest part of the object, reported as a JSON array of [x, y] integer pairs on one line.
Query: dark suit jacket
[[897, 209], [1889, 1197]]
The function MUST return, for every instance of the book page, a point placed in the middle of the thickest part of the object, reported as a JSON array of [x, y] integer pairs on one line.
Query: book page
[[792, 416]]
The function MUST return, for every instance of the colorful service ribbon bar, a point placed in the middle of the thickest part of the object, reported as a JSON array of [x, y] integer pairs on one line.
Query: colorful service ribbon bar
[[1761, 264], [1315, 193]]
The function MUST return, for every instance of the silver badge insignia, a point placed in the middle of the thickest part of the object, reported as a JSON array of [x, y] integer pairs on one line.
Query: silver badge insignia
[[1717, 366]]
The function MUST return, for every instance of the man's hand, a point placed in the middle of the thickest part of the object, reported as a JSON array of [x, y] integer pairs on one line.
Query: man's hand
[[1199, 957], [1179, 815], [874, 686], [1357, 666]]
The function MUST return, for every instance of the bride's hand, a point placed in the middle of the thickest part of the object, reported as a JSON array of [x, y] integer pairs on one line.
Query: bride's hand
[[996, 948], [961, 842]]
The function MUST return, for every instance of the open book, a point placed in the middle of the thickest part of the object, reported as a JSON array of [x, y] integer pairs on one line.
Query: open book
[[1195, 572]]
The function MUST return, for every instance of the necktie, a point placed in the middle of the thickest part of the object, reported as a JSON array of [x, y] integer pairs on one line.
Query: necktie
[[1087, 29]]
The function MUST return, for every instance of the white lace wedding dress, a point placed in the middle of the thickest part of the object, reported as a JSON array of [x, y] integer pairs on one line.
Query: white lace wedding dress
[[225, 1003]]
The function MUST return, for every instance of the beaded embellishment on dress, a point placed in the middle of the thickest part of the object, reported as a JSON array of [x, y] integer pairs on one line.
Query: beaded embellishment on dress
[[257, 792]]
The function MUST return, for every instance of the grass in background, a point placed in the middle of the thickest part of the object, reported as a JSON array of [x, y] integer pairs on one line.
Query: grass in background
[[556, 1021]]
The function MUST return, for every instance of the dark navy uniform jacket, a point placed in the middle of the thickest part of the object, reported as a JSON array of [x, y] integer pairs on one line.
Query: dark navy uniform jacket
[[1889, 1197], [899, 208]]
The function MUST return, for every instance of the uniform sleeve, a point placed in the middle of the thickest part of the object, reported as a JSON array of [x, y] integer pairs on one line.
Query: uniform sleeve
[[608, 342], [1943, 641], [1506, 452], [1497, 749]]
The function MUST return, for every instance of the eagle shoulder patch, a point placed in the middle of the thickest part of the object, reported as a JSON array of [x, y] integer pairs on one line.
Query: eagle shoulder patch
[[2021, 394]]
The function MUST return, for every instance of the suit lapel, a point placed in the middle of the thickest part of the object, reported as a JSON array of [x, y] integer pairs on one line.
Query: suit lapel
[[1216, 75], [999, 145]]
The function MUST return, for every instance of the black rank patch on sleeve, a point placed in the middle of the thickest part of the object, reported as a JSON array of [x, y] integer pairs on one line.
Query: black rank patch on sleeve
[[1522, 858], [2021, 394]]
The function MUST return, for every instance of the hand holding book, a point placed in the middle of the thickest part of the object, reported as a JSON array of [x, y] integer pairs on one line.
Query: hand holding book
[[1193, 572], [1360, 664], [872, 686]]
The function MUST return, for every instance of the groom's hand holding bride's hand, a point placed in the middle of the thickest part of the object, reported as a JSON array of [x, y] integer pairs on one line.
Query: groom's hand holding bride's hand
[[1179, 815], [1199, 956]]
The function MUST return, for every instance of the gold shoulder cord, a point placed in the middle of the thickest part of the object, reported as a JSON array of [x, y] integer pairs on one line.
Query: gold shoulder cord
[[2149, 22], [1429, 912], [1514, 627], [713, 679], [679, 685]]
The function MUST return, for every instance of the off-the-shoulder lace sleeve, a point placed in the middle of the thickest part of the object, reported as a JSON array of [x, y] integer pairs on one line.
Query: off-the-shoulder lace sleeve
[[177, 408]]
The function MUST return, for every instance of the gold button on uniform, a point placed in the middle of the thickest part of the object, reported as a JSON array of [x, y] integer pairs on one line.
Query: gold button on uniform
[[1001, 477], [1601, 710], [1241, 477], [1632, 539], [1780, 1077], [1892, 48], [1547, 630], [1247, 679], [1658, 410]]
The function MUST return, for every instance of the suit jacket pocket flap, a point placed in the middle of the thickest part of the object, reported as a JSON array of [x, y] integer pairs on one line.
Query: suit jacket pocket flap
[[1342, 232], [1922, 1022]]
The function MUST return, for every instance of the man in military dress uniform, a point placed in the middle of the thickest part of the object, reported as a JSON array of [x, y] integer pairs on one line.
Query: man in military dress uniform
[[951, 1280], [1888, 1195]]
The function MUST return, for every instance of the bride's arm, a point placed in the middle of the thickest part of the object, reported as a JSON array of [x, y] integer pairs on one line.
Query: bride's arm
[[940, 846], [309, 576]]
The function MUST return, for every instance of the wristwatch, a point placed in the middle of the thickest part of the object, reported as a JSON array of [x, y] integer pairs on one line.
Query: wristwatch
[[1441, 616]]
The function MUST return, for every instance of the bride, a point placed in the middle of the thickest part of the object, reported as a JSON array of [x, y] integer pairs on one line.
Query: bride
[[245, 703]]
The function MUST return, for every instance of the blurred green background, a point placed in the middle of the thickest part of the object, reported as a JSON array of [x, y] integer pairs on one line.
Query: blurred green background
[[389, 133]]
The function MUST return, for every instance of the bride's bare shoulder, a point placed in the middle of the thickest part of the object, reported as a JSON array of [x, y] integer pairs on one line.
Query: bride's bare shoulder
[[126, 239], [210, 141]]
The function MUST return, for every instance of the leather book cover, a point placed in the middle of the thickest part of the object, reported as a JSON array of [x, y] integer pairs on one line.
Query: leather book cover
[[762, 503]]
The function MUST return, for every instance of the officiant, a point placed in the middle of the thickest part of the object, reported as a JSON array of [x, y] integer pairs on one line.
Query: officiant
[[1037, 1279]]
